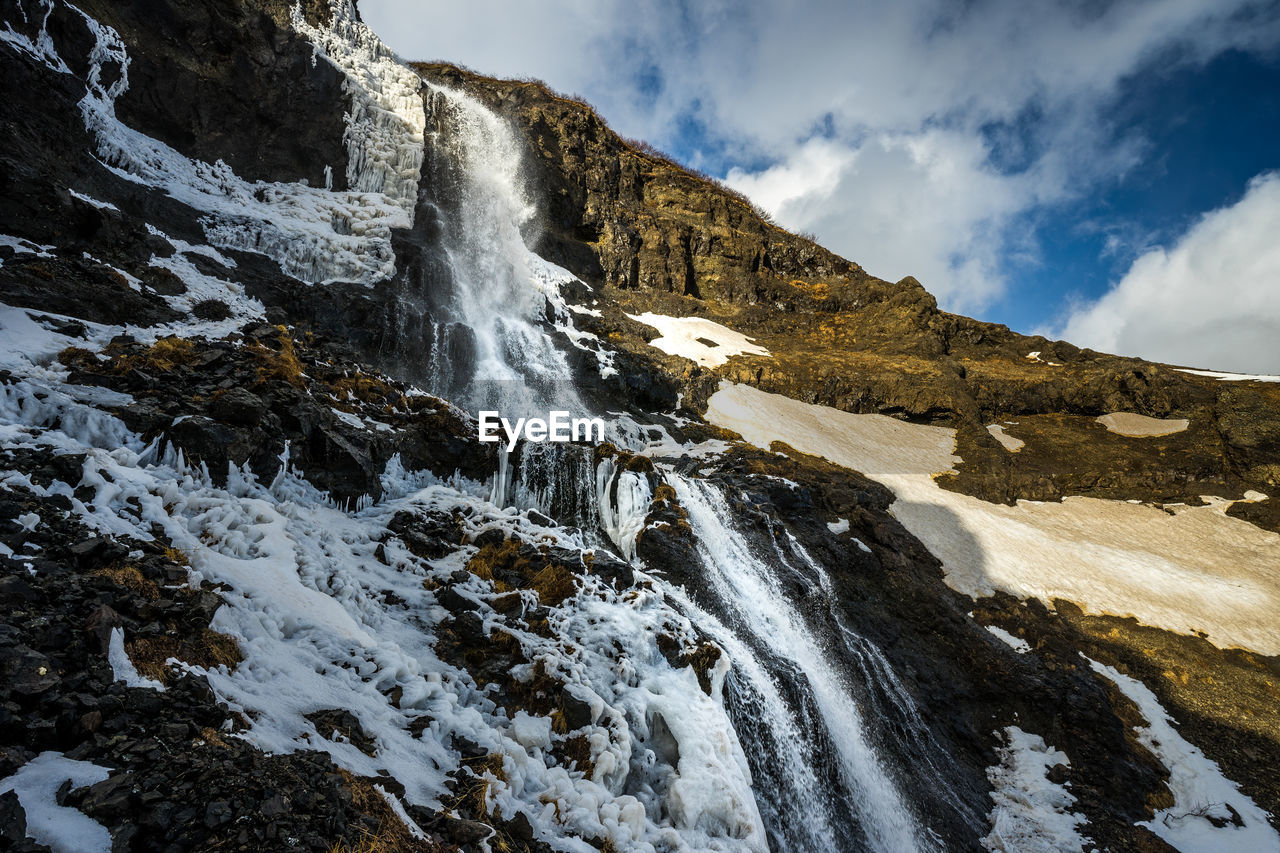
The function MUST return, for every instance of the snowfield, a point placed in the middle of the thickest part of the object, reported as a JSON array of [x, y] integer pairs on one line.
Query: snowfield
[[1194, 569]]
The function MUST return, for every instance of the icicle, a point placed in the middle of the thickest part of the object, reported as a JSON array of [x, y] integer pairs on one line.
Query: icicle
[[623, 498], [501, 479]]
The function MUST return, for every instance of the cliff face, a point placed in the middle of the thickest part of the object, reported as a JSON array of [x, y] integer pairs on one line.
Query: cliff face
[[621, 216], [263, 588], [650, 236]]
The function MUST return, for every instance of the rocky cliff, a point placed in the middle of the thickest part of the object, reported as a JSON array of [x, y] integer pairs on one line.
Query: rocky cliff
[[264, 588], [654, 237]]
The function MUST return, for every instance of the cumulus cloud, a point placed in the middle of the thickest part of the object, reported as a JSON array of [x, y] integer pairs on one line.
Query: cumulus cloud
[[915, 137], [924, 204], [1211, 301]]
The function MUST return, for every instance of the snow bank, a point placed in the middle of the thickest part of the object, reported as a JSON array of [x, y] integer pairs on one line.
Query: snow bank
[[1191, 569], [61, 828], [694, 338], [1199, 789], [1141, 426], [1031, 814], [1231, 377]]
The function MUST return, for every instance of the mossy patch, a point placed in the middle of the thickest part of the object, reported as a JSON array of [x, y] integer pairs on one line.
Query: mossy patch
[[131, 578], [389, 833], [575, 753], [280, 363], [511, 564], [163, 356], [207, 649]]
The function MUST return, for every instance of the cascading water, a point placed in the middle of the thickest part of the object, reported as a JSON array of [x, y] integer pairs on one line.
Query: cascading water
[[497, 352], [820, 782], [826, 785]]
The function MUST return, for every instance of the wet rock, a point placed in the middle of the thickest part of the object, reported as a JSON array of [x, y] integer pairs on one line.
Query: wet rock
[[13, 820], [346, 725], [238, 406]]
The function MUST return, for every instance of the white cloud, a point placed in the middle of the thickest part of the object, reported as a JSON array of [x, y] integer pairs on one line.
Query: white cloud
[[1210, 301], [867, 122], [924, 204]]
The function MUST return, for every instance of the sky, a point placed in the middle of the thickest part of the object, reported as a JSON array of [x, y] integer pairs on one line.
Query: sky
[[1107, 171]]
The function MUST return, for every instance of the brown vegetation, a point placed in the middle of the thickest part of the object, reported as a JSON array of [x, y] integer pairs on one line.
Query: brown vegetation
[[207, 649]]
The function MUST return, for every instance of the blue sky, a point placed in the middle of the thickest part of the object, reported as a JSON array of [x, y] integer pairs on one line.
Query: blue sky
[[1098, 169], [1208, 131]]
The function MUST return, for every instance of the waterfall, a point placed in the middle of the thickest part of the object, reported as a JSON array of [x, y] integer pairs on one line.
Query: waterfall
[[825, 781], [803, 701], [496, 345], [558, 480]]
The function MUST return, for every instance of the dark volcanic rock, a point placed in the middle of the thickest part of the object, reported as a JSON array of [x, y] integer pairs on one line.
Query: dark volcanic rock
[[232, 81], [244, 401]]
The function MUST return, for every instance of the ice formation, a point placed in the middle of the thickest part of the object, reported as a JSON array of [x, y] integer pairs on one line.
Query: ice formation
[[316, 235], [306, 601], [1031, 814]]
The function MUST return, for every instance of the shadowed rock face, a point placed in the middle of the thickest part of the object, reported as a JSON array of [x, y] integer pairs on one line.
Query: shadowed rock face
[[234, 82]]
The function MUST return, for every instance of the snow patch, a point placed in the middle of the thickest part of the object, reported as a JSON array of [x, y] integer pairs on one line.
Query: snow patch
[[709, 344], [1018, 644], [1031, 814], [1199, 789], [1141, 426], [1011, 444], [23, 246], [1231, 377], [61, 828]]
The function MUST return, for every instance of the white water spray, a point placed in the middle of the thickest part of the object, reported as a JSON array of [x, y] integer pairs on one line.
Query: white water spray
[[751, 592], [499, 287]]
